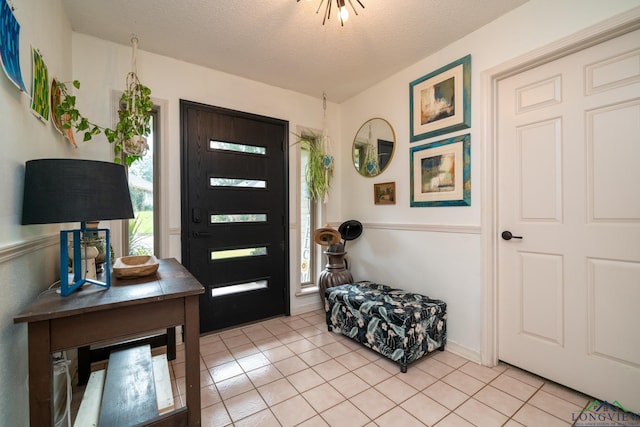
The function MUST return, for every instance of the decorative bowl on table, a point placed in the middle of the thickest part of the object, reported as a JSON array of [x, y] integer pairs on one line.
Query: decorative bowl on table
[[135, 266]]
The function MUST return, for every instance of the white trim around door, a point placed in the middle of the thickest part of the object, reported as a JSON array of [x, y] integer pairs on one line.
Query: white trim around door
[[606, 30]]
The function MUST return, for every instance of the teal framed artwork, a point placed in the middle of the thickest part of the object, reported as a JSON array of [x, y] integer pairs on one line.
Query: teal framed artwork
[[440, 102], [441, 173]]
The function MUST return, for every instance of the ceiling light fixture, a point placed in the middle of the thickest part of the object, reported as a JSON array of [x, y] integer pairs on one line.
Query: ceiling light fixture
[[343, 13]]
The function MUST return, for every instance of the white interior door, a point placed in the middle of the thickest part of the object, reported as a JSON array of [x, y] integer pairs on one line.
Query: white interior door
[[569, 185]]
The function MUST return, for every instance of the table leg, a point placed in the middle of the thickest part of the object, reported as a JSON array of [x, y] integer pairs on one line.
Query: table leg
[[40, 375], [192, 358], [84, 364], [171, 343]]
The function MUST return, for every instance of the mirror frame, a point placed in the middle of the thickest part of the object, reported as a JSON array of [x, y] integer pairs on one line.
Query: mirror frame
[[355, 144]]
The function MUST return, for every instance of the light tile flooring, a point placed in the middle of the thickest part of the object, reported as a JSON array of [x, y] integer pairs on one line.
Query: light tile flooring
[[290, 371]]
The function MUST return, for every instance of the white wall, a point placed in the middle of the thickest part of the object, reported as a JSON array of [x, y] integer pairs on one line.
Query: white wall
[[102, 66], [28, 254], [437, 251]]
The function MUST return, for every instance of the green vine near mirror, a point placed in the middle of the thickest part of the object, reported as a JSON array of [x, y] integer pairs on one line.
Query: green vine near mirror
[[319, 169], [373, 147]]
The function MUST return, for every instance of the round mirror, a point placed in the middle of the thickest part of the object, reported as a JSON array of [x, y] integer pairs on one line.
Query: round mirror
[[373, 147]]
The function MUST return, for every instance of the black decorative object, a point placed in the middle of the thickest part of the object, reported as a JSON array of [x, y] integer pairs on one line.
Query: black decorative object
[[73, 190], [350, 230]]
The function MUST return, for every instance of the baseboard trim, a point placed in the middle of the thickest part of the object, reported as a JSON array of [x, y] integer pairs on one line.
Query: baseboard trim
[[17, 250], [472, 355], [305, 308]]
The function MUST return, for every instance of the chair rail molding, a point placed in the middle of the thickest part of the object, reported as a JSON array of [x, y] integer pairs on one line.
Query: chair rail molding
[[432, 228], [16, 250]]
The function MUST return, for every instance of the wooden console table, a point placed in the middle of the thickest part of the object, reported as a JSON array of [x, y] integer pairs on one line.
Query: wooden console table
[[94, 315]]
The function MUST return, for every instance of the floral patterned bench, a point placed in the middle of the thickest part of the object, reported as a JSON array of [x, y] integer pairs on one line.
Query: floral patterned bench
[[400, 325]]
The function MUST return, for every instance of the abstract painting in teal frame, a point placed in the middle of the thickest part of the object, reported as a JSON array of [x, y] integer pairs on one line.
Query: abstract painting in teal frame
[[440, 102], [441, 173]]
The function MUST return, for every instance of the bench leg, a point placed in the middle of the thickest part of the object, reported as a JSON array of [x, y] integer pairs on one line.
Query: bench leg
[[403, 368], [441, 348], [329, 328]]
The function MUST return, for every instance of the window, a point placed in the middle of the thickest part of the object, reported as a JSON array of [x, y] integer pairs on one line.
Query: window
[[139, 236], [242, 287], [236, 218], [237, 182], [238, 253], [308, 221], [240, 148]]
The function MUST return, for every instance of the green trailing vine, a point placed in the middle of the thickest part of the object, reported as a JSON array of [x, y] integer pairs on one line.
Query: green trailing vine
[[319, 169], [134, 116], [70, 116]]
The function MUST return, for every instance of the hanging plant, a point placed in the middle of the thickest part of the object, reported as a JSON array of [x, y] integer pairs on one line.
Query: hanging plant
[[319, 170], [134, 116], [133, 127]]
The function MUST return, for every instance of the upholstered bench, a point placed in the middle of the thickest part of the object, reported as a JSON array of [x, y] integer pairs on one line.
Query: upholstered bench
[[399, 325]]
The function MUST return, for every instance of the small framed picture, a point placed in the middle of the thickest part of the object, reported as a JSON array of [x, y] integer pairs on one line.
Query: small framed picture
[[384, 193], [441, 173], [440, 102]]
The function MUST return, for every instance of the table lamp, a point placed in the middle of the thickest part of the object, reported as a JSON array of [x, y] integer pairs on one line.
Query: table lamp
[[73, 190]]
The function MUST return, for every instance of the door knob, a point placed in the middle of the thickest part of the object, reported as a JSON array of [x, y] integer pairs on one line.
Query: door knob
[[506, 235]]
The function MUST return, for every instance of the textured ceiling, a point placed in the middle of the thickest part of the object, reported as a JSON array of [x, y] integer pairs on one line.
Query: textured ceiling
[[283, 42]]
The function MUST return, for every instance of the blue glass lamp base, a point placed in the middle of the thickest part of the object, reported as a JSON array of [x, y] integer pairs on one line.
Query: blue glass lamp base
[[68, 286]]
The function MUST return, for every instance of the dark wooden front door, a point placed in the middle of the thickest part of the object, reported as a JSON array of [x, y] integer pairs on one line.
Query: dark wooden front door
[[235, 213]]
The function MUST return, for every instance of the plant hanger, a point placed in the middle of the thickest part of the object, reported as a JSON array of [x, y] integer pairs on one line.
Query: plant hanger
[[134, 116], [327, 160], [319, 167], [135, 147]]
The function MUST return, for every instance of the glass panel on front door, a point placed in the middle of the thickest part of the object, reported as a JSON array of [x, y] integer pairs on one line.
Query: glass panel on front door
[[237, 218], [241, 287], [238, 253], [237, 182]]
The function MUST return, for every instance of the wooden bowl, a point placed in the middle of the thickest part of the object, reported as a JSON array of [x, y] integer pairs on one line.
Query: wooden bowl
[[135, 266]]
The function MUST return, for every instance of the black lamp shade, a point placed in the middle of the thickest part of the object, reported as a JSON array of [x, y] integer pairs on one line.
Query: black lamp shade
[[73, 190]]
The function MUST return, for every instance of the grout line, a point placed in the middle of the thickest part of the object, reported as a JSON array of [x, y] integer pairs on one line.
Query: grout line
[[313, 321]]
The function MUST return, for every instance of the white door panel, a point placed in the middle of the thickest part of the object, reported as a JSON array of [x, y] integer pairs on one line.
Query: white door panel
[[568, 183]]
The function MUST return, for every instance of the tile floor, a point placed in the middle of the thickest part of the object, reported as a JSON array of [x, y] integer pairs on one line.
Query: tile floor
[[290, 371]]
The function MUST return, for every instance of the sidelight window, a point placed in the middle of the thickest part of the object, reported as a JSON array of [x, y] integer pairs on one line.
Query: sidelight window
[[140, 235], [308, 223]]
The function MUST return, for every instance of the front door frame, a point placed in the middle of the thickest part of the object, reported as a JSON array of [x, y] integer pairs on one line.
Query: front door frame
[[186, 211], [595, 34]]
